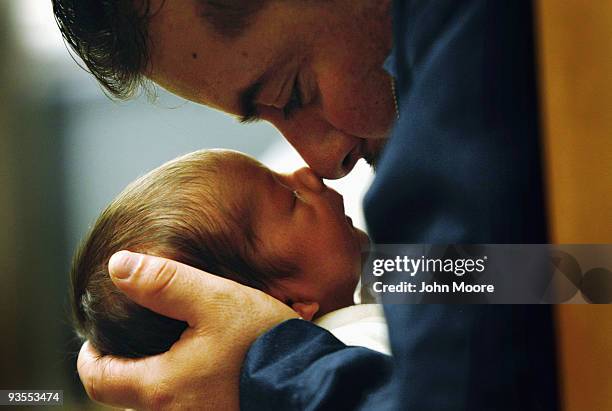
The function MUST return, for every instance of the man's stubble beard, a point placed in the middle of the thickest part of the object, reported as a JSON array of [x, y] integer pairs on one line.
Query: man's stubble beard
[[373, 152]]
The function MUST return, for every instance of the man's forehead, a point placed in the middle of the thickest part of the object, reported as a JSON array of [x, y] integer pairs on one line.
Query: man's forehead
[[190, 59]]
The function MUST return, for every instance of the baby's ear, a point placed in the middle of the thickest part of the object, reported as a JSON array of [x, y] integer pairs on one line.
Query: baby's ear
[[306, 310]]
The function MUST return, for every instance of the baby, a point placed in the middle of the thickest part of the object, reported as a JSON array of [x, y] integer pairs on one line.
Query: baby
[[225, 213]]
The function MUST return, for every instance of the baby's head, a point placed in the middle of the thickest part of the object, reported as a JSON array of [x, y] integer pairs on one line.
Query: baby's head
[[225, 213]]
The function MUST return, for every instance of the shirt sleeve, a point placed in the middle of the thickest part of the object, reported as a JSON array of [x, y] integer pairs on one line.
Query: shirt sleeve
[[300, 366]]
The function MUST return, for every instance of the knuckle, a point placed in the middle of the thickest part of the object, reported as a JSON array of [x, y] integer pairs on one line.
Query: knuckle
[[87, 373], [165, 276], [90, 389], [161, 275], [92, 383], [161, 397]]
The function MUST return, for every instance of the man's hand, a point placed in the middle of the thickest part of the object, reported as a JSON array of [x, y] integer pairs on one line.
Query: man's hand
[[202, 369]]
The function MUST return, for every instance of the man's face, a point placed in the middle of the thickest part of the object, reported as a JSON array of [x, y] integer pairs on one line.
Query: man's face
[[311, 68]]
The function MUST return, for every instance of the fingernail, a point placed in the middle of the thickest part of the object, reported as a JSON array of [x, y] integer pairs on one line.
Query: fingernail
[[122, 264]]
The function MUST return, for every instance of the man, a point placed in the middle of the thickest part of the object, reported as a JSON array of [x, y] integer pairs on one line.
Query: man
[[466, 103]]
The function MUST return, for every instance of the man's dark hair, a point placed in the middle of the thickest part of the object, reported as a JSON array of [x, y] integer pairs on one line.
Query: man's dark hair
[[111, 36], [179, 211]]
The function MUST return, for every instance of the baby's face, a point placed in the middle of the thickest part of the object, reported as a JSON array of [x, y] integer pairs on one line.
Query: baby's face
[[301, 220]]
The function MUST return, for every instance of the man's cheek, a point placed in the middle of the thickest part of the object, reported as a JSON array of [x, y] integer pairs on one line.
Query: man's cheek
[[343, 111], [355, 113]]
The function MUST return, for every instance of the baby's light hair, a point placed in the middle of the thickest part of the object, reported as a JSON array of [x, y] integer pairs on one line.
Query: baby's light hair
[[181, 211]]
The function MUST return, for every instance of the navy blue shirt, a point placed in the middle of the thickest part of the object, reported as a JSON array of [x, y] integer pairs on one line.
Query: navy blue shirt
[[461, 166]]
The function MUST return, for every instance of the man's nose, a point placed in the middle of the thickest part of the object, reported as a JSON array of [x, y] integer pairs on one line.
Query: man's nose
[[329, 152]]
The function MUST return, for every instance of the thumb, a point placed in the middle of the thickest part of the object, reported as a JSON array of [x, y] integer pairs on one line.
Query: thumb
[[167, 287]]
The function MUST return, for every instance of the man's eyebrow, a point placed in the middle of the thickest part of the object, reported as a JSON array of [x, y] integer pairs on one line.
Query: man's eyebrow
[[247, 102]]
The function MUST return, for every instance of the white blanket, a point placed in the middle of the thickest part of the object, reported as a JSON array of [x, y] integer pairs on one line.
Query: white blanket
[[362, 325]]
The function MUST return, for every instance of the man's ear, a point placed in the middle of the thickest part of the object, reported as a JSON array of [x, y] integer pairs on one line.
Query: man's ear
[[306, 310]]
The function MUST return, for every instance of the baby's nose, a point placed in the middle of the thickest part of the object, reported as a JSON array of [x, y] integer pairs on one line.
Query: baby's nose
[[309, 179]]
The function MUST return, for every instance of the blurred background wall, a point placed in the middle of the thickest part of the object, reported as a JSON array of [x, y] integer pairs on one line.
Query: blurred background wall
[[575, 43], [65, 151]]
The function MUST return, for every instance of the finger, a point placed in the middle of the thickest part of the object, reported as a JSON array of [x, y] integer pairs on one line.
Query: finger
[[112, 380], [168, 287]]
